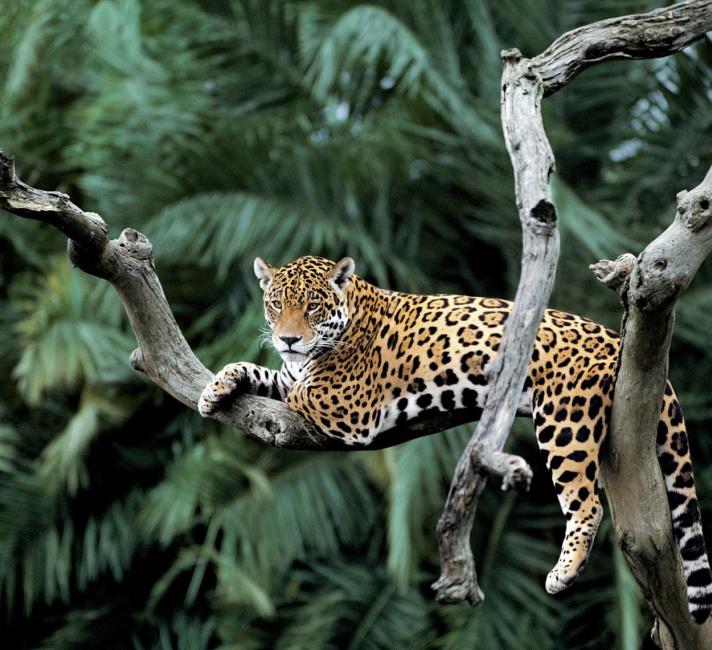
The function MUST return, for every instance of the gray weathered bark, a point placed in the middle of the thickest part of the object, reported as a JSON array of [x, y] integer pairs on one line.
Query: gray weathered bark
[[649, 287], [524, 82], [533, 163]]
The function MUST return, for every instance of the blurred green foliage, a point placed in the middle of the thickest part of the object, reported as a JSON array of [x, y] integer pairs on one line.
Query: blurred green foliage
[[229, 129]]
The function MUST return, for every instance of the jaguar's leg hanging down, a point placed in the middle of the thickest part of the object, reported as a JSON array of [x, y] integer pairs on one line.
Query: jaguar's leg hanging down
[[570, 417]]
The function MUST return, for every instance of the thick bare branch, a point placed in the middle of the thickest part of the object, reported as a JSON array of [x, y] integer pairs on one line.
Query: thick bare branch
[[649, 288], [645, 36], [163, 353], [533, 163], [86, 229]]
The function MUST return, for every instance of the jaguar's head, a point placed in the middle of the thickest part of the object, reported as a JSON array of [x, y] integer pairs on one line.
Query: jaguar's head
[[305, 304]]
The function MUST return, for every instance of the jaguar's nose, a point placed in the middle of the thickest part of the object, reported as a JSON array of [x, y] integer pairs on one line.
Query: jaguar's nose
[[290, 340]]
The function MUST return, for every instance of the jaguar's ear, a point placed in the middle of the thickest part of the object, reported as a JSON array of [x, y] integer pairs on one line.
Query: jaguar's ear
[[341, 273], [264, 273]]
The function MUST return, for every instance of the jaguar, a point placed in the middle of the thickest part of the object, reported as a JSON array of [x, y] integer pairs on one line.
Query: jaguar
[[361, 361]]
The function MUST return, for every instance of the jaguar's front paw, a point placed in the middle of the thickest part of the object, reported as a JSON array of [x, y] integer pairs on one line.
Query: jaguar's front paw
[[207, 404], [225, 384]]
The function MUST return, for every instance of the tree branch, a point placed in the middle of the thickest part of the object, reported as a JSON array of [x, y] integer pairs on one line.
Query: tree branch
[[533, 163], [163, 353], [643, 36], [524, 83], [649, 287]]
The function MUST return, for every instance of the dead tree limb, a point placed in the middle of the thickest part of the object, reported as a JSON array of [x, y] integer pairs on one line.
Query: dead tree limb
[[656, 34], [649, 288], [524, 83], [163, 353], [533, 163]]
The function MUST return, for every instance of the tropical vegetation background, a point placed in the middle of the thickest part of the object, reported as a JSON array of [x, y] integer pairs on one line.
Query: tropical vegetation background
[[229, 129]]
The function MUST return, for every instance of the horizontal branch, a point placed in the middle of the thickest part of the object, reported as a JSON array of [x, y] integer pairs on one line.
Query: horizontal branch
[[163, 354], [655, 34]]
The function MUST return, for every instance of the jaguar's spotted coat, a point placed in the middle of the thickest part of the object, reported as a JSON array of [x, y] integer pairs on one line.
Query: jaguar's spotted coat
[[359, 360]]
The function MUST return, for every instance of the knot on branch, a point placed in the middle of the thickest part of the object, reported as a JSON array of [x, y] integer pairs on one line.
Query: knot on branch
[[694, 208], [543, 216], [135, 244], [615, 275], [596, 50], [136, 360]]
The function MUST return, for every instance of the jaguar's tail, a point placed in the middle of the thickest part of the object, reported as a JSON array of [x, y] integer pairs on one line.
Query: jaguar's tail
[[674, 456]]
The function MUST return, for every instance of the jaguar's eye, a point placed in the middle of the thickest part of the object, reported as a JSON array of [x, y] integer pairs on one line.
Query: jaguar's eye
[[312, 307], [276, 305]]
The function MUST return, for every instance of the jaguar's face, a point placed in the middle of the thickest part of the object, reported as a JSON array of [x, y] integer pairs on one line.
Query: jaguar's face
[[305, 304]]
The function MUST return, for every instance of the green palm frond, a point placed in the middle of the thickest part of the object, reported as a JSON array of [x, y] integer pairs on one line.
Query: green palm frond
[[41, 38], [222, 230], [366, 36], [63, 462], [26, 62], [236, 587], [209, 474], [185, 632], [368, 51], [588, 227], [352, 606], [78, 630], [317, 506], [658, 155], [25, 517], [108, 542], [23, 237], [70, 334], [304, 509], [49, 558], [219, 229]]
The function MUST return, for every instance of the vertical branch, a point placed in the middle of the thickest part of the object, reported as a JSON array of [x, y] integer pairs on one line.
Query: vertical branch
[[533, 163], [649, 288]]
